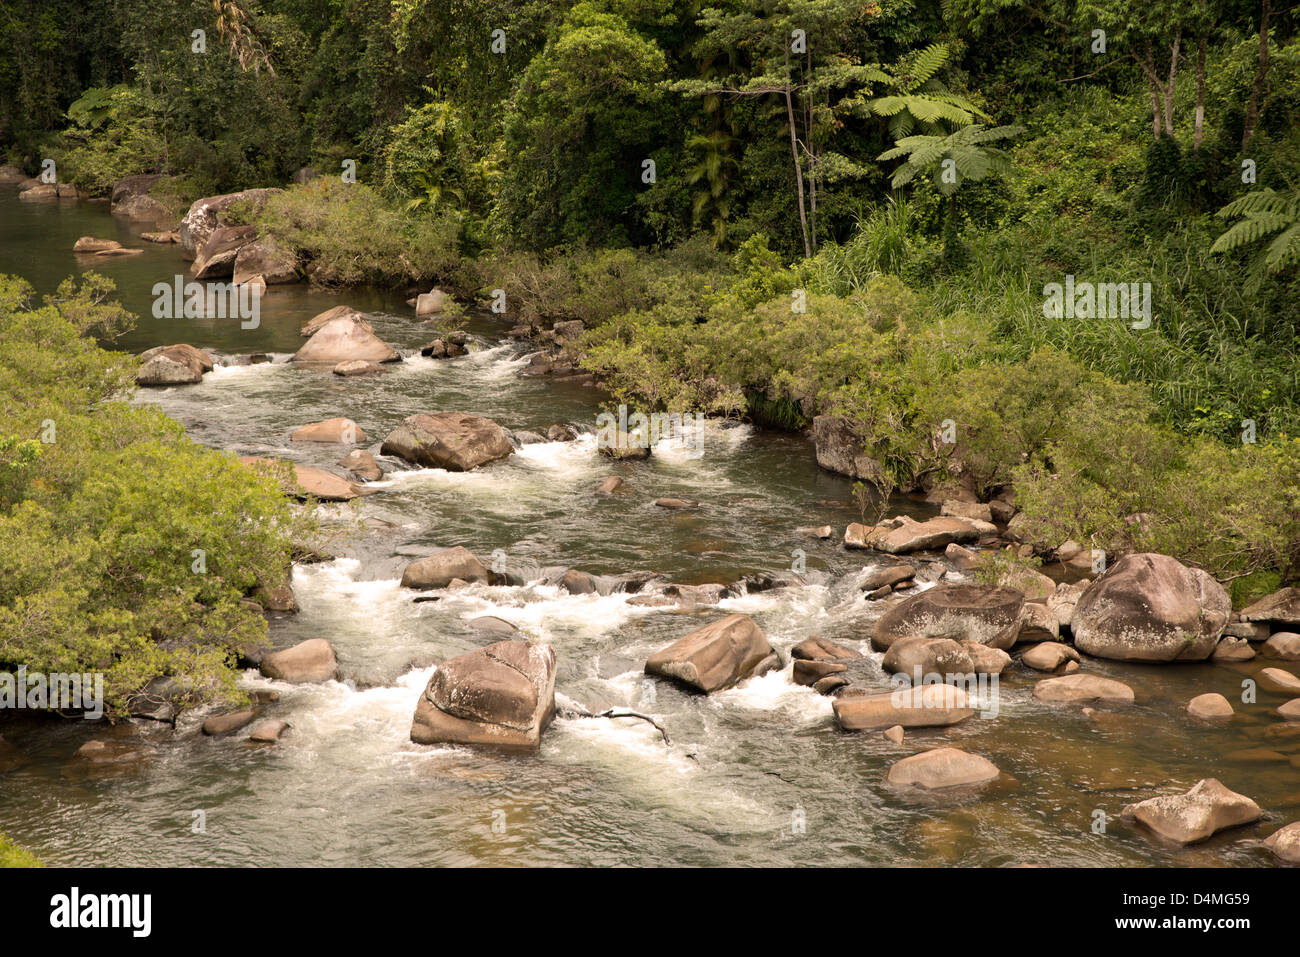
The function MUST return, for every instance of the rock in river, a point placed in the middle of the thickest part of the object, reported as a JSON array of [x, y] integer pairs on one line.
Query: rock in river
[[716, 656], [1153, 608], [501, 695], [1083, 689], [454, 441], [980, 613], [441, 569], [942, 768], [345, 338], [309, 661], [1207, 808], [933, 705]]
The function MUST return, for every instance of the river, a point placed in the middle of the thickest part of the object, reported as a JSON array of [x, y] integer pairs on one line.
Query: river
[[756, 775]]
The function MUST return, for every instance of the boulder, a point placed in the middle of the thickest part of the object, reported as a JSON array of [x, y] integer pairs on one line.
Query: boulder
[[338, 429], [1278, 681], [357, 367], [216, 257], [206, 214], [894, 734], [934, 705], [841, 449], [1232, 649], [10, 175], [1037, 623], [962, 559], [927, 656], [161, 238], [979, 613], [143, 208], [1049, 656], [942, 768], [262, 258], [439, 570], [220, 724], [430, 303], [623, 447], [1206, 809], [343, 339], [268, 731], [888, 575], [609, 485], [1209, 706], [1064, 600], [1280, 609], [137, 185], [180, 364], [310, 481], [314, 324], [809, 672], [1152, 608], [90, 244], [501, 695], [1291, 710], [904, 534], [816, 531], [1083, 689], [719, 655], [363, 465], [454, 441], [819, 649], [675, 503], [443, 349], [308, 661], [986, 660], [1285, 646], [577, 582], [1285, 843], [568, 330]]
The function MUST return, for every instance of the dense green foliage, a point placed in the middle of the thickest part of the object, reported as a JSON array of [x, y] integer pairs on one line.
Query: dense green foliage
[[104, 507], [11, 855], [784, 208]]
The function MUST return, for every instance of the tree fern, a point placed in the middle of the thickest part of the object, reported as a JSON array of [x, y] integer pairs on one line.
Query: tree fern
[[1264, 212]]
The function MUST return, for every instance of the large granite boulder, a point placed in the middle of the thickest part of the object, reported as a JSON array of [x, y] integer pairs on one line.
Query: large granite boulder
[[982, 614], [343, 339], [501, 695], [1152, 608], [455, 441], [180, 364], [206, 214], [216, 257], [441, 569], [1206, 809], [716, 656]]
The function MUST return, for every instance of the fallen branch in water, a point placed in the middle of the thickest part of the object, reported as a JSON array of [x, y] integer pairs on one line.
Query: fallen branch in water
[[577, 711]]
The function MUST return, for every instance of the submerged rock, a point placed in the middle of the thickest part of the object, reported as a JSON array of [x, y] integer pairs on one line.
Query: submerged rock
[[501, 695], [220, 724], [1083, 689], [338, 429], [717, 656], [268, 731], [1206, 809], [1285, 843], [934, 705], [942, 768], [363, 465], [1152, 608]]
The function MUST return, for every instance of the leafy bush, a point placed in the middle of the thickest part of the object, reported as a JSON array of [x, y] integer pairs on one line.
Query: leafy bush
[[104, 506]]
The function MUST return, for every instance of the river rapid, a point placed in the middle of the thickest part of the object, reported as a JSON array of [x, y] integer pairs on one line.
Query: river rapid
[[756, 775]]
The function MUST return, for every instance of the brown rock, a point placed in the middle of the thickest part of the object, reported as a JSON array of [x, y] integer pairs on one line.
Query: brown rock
[[888, 575], [1209, 706], [1206, 809], [439, 570], [1285, 843], [343, 339], [338, 429], [980, 613], [609, 486], [928, 706], [308, 661], [448, 440], [1150, 607], [1048, 656], [268, 732], [216, 257], [927, 656], [501, 696], [220, 724], [942, 768], [1285, 646], [1278, 681], [357, 367], [717, 656], [1083, 689], [362, 464], [1282, 608], [819, 649], [1232, 649]]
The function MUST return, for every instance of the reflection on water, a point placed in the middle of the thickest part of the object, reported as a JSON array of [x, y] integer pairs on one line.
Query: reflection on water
[[346, 786]]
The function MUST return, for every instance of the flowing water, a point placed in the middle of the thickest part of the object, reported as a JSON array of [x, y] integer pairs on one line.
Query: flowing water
[[759, 774]]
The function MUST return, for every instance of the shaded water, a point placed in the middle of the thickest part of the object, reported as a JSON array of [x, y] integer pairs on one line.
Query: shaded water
[[345, 786]]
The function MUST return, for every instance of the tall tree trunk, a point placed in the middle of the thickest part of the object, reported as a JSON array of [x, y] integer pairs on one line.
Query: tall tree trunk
[[1199, 130], [798, 168], [1153, 86], [1169, 88], [812, 158], [1261, 73]]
